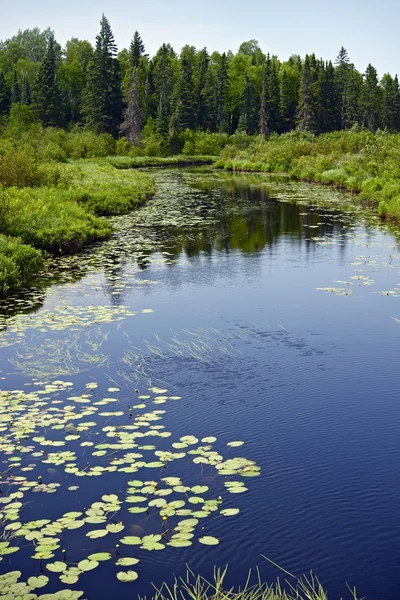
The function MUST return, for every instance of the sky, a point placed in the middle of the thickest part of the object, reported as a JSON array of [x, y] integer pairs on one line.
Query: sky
[[368, 29]]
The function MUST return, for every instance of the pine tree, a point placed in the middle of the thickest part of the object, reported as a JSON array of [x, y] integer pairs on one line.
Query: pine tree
[[200, 76], [263, 124], [164, 83], [273, 96], [390, 102], [133, 116], [46, 96], [306, 115], [325, 96], [102, 107], [342, 74], [25, 90], [184, 116], [371, 99], [222, 88], [136, 50], [350, 114], [5, 96], [249, 109], [15, 89]]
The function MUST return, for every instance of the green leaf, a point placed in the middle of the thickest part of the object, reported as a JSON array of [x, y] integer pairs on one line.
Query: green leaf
[[87, 565], [127, 577], [208, 540], [38, 582], [56, 567], [100, 556], [131, 540], [127, 562], [229, 512]]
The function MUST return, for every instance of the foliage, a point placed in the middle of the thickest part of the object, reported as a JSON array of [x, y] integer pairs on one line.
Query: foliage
[[18, 262]]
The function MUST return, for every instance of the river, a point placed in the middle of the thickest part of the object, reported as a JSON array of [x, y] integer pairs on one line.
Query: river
[[228, 360]]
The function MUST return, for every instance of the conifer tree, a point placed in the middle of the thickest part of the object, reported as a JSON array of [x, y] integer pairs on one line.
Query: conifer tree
[[249, 109], [288, 95], [25, 90], [263, 124], [326, 101], [273, 96], [164, 83], [306, 116], [136, 50], [133, 116], [351, 110], [222, 88], [391, 107], [371, 99], [5, 96], [102, 107], [46, 97], [201, 80], [184, 116], [15, 89]]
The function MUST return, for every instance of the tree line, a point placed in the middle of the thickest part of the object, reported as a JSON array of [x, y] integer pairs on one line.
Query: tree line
[[130, 93]]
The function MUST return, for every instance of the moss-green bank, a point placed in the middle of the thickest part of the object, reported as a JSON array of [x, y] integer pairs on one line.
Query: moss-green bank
[[128, 162], [356, 160], [18, 263]]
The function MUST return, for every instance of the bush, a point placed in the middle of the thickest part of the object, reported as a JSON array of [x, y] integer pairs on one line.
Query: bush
[[18, 262]]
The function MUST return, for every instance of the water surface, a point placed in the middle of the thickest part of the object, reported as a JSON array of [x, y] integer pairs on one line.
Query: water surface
[[269, 308]]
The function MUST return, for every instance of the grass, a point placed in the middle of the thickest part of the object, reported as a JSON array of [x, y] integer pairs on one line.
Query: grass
[[128, 162], [196, 587], [357, 160]]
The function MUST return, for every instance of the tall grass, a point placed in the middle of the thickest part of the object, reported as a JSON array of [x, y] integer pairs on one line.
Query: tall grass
[[196, 587]]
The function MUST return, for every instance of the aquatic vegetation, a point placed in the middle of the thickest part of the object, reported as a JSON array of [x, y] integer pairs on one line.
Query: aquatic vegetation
[[46, 425], [198, 588]]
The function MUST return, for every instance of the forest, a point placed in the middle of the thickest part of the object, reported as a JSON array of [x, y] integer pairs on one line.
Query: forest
[[153, 101]]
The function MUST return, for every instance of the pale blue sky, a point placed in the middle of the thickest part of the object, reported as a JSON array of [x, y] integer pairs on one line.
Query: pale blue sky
[[368, 29]]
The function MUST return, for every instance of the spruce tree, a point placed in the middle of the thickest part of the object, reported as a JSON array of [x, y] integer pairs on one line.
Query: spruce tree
[[326, 102], [5, 96], [133, 117], [391, 107], [102, 107], [371, 99], [263, 123], [25, 90], [273, 96], [164, 83], [136, 50], [351, 99], [249, 109], [306, 112], [222, 88], [184, 117], [46, 97], [200, 77], [15, 89]]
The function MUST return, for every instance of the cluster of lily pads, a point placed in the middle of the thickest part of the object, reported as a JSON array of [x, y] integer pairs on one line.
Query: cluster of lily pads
[[50, 428]]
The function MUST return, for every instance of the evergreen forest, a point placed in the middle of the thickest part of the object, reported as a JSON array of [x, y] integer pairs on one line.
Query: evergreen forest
[[131, 95]]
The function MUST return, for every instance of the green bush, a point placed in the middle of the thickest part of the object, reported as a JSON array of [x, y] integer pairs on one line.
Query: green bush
[[18, 262]]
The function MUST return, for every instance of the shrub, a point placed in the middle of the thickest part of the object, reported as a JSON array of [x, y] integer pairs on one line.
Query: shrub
[[18, 262]]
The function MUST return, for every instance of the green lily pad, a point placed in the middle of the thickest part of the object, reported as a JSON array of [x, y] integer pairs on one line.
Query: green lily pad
[[87, 565], [208, 540], [38, 582], [127, 577], [127, 562]]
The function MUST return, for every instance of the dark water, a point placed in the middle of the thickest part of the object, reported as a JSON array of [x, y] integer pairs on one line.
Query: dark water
[[308, 378]]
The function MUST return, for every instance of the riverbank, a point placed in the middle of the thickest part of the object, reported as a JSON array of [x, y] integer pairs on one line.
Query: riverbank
[[357, 161], [53, 200]]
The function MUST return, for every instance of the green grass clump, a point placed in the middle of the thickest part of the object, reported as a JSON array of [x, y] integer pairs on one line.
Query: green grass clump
[[46, 218], [197, 587], [135, 162], [105, 190], [18, 263]]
